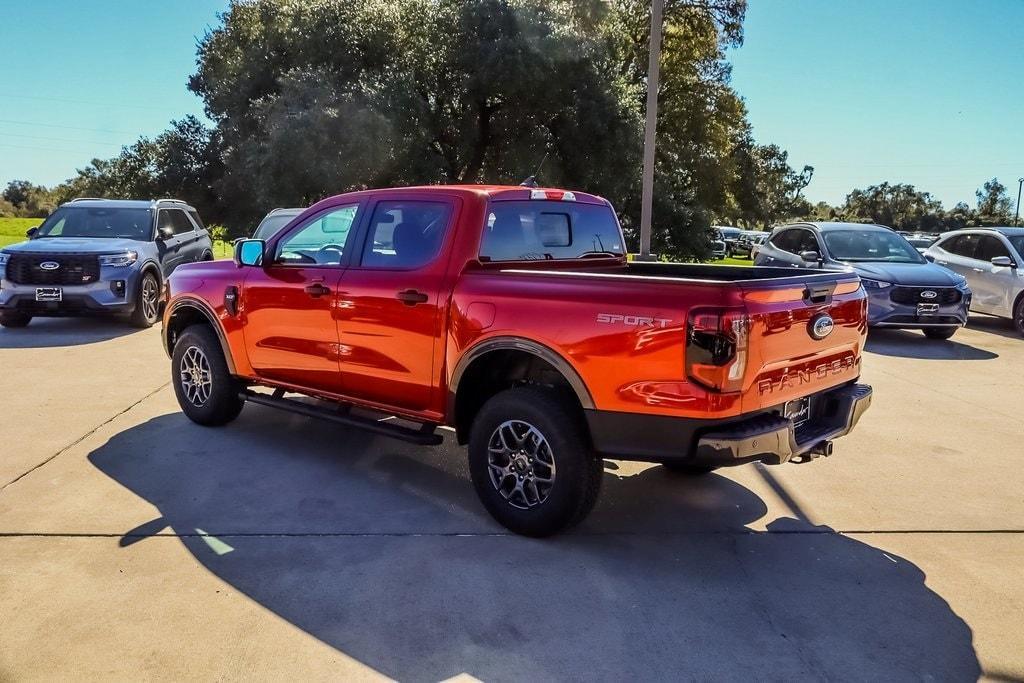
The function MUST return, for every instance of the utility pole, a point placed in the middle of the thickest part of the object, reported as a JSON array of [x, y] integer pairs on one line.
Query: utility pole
[[653, 73], [1020, 184]]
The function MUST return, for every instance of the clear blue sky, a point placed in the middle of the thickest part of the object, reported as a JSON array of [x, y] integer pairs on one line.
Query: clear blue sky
[[929, 92]]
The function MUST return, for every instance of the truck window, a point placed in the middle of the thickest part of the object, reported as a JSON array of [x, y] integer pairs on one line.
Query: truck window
[[320, 241], [538, 230], [405, 234]]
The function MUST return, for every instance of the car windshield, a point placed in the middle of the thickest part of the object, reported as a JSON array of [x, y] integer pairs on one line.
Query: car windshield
[[271, 224], [920, 242], [870, 245], [82, 221]]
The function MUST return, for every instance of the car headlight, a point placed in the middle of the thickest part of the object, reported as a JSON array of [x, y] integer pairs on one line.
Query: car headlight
[[961, 282], [119, 260], [875, 284], [4, 257]]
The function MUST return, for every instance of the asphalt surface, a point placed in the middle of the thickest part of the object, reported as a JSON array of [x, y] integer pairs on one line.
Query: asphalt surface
[[136, 545]]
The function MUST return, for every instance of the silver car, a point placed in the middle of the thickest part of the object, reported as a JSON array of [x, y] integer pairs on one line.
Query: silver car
[[274, 221], [992, 260]]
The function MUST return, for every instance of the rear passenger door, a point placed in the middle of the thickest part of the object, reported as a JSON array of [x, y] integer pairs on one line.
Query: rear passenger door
[[392, 300]]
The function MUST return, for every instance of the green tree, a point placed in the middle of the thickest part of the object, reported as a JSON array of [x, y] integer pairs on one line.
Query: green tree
[[995, 207], [899, 206], [767, 190], [27, 199]]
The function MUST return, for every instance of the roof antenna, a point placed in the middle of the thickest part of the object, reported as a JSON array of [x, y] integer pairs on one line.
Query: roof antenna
[[531, 181]]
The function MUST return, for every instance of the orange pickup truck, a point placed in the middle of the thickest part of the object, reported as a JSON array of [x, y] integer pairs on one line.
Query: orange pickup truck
[[512, 315]]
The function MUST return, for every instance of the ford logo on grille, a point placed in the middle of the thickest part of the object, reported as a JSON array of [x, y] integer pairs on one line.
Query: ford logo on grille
[[929, 294], [822, 326], [49, 265]]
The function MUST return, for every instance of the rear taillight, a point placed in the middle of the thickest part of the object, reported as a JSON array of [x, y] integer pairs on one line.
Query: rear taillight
[[716, 348]]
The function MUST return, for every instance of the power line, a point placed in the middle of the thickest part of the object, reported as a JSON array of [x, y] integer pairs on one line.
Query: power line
[[56, 125], [118, 105], [43, 137]]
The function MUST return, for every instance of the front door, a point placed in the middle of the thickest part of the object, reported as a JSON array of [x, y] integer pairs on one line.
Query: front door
[[289, 304], [390, 304], [993, 283]]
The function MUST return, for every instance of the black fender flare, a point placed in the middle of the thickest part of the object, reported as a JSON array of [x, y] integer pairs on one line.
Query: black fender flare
[[543, 352], [204, 309]]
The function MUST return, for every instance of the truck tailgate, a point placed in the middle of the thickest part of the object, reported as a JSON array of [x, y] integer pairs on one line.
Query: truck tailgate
[[793, 350]]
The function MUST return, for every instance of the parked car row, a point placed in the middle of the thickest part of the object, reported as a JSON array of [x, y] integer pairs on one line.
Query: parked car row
[[967, 270]]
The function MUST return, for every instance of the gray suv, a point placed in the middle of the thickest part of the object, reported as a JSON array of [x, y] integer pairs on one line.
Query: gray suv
[[100, 256]]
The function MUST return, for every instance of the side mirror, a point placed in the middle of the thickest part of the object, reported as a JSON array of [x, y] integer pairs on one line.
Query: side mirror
[[1003, 262], [249, 252], [31, 232], [810, 256], [929, 258], [165, 232]]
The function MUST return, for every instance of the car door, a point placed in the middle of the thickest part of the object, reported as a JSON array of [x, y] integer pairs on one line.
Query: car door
[[289, 304], [178, 248], [957, 253], [994, 283], [391, 303]]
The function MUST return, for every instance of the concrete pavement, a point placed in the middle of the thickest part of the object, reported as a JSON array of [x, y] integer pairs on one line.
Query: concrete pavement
[[134, 544]]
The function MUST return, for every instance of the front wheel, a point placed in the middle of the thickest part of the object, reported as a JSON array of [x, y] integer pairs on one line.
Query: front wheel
[[1018, 316], [146, 302], [939, 332], [15, 319], [206, 391], [531, 461]]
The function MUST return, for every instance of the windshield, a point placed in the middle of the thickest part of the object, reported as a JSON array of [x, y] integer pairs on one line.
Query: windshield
[[540, 230], [870, 245], [81, 221], [920, 242], [271, 224]]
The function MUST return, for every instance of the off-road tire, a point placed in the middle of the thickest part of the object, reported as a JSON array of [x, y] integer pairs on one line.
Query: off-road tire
[[147, 300], [221, 403], [15, 319], [578, 470], [939, 332]]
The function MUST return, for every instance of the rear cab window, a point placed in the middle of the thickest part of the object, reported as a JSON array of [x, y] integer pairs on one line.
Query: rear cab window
[[537, 230]]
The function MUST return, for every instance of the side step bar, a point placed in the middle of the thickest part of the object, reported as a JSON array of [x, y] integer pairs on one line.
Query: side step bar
[[424, 436]]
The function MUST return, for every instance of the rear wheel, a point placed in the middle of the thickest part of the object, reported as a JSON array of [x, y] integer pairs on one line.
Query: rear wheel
[[14, 319], [146, 301], [1018, 316], [939, 332], [206, 391], [531, 461]]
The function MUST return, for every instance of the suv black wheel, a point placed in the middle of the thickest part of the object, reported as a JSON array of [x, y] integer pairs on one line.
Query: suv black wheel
[[146, 301], [939, 332], [531, 461], [15, 319], [1018, 316], [206, 391], [686, 468]]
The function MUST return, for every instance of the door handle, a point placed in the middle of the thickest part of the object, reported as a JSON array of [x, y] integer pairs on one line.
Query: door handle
[[411, 297], [978, 270], [317, 290]]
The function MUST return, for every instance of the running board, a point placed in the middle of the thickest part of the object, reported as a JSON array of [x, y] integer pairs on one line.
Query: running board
[[424, 436]]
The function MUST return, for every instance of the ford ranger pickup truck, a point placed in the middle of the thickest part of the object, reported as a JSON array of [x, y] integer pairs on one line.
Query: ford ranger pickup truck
[[513, 316]]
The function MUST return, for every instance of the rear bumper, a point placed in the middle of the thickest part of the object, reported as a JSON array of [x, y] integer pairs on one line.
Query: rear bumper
[[766, 436]]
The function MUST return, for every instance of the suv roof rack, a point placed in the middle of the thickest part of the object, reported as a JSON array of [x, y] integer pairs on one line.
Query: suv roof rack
[[169, 199], [87, 199]]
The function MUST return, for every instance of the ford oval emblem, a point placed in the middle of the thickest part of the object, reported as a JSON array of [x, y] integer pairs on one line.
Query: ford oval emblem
[[49, 265], [822, 326], [929, 294]]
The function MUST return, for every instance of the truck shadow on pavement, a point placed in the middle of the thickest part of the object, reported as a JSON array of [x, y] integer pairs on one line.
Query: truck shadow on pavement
[[381, 550], [913, 344], [44, 333]]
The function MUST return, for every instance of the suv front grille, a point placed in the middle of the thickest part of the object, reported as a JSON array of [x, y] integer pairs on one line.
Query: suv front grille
[[72, 269], [912, 295]]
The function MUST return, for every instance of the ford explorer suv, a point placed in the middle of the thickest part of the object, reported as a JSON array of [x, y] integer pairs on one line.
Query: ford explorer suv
[[905, 291], [512, 316], [100, 256]]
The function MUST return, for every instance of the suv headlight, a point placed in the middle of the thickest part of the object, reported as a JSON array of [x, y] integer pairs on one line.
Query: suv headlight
[[119, 260], [875, 284], [4, 257]]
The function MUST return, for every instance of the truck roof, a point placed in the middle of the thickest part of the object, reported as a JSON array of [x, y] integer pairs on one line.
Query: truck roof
[[499, 192]]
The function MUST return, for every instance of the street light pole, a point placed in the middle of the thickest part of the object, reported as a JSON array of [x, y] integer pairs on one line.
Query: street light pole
[[1020, 184], [653, 73]]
